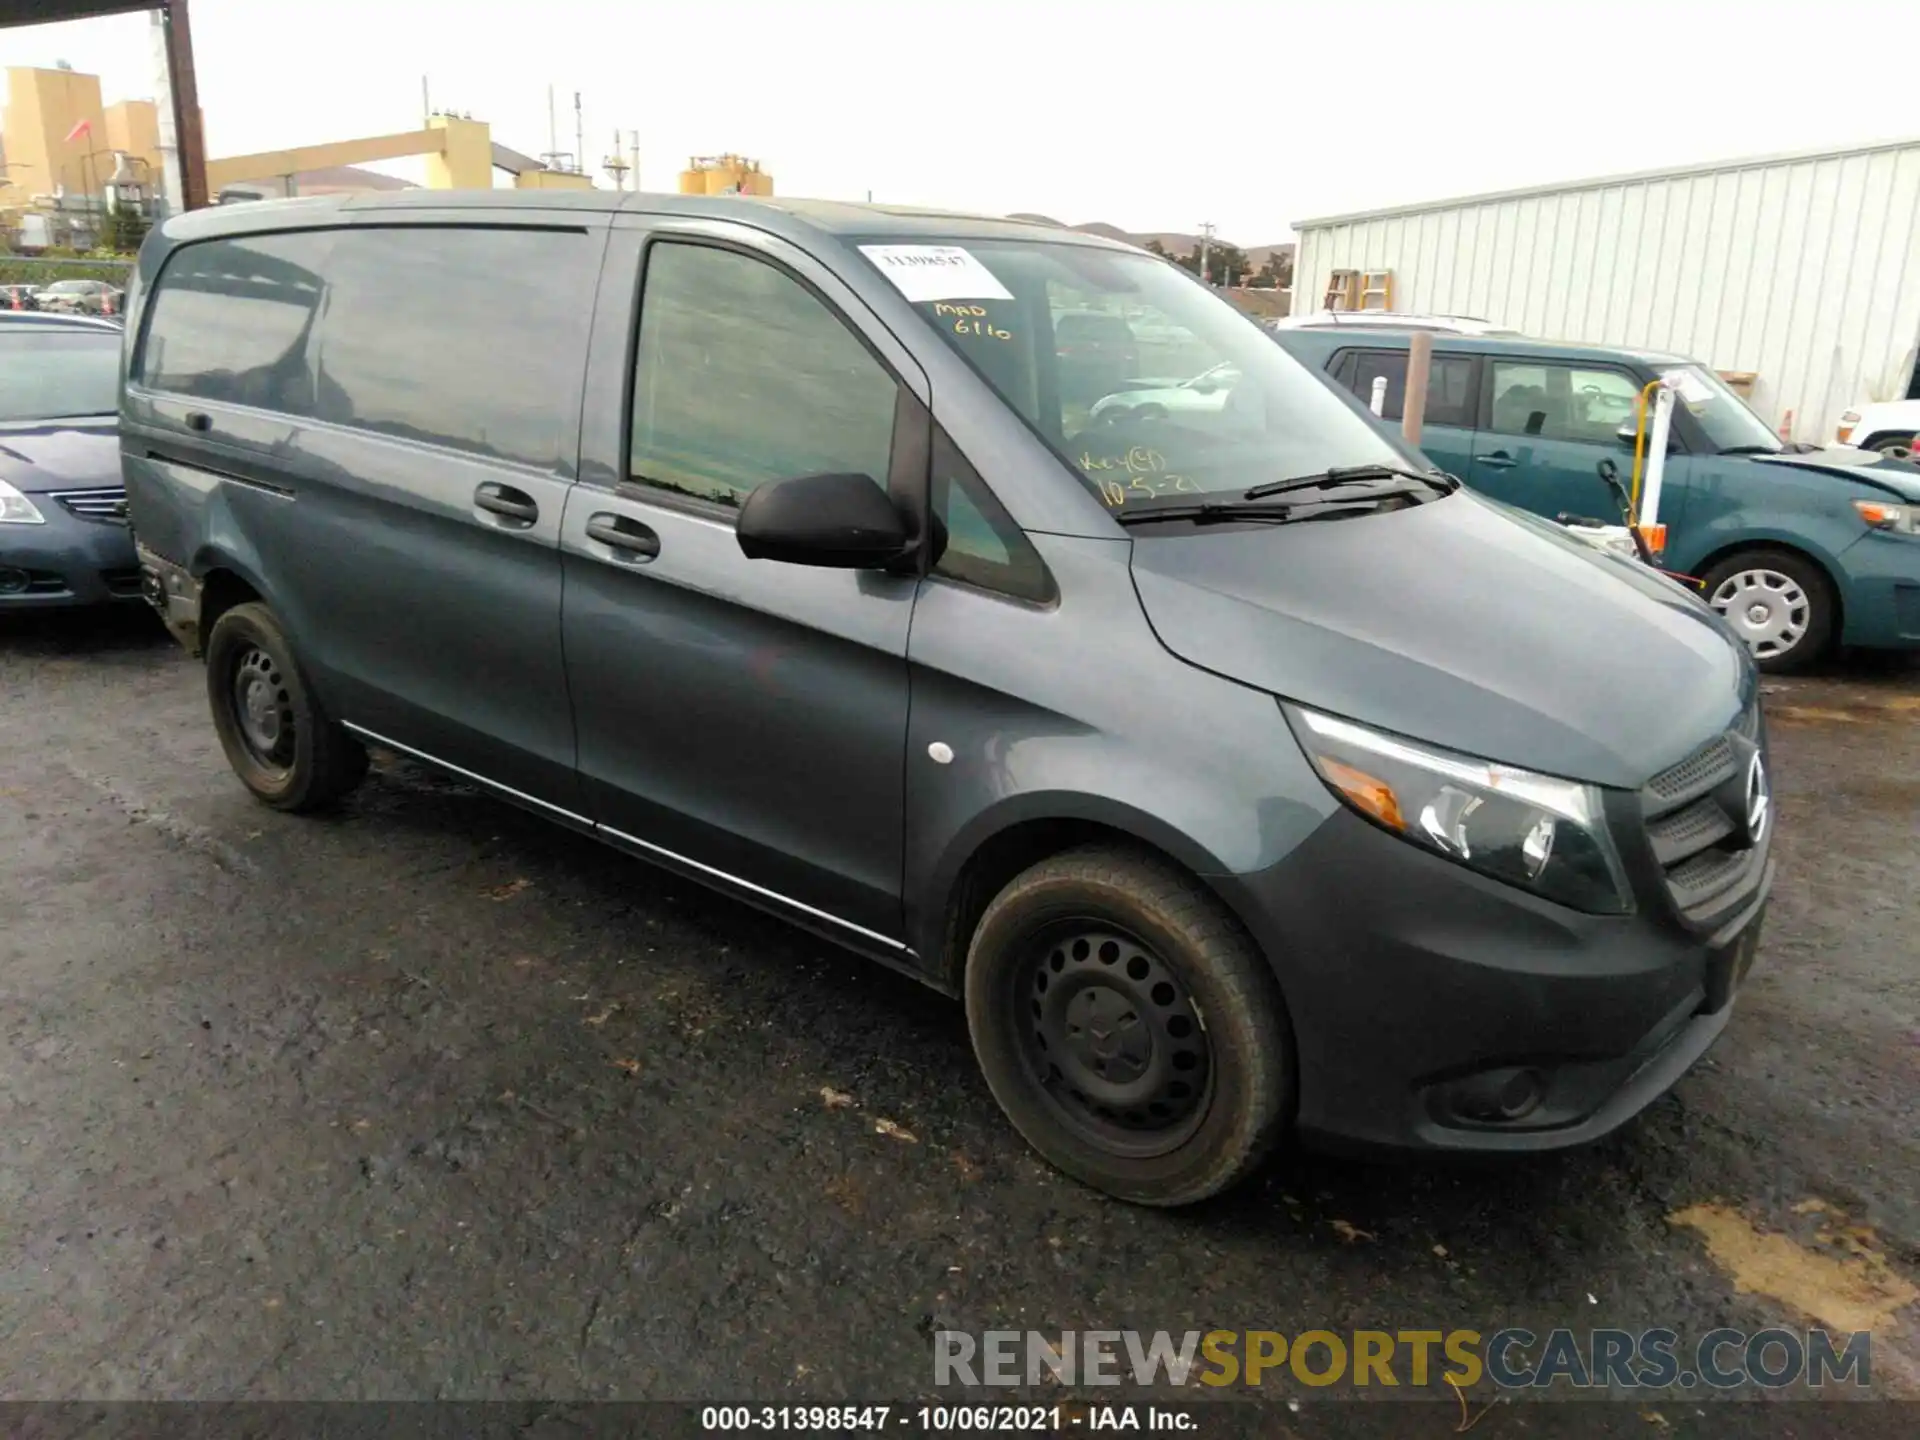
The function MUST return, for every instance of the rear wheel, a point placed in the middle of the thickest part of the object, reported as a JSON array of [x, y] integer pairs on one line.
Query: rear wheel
[[1780, 603], [279, 741], [1128, 1027], [1898, 446]]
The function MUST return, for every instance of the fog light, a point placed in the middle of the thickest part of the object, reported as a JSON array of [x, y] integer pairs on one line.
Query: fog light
[[12, 581], [1499, 1096]]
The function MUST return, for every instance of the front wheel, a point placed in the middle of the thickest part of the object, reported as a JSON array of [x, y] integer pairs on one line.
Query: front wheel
[[1780, 603], [279, 741], [1898, 448], [1128, 1027]]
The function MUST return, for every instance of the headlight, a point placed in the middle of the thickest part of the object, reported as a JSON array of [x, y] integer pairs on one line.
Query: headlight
[[1544, 835], [17, 509], [1905, 519]]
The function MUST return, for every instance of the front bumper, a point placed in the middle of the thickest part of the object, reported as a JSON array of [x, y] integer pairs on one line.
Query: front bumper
[[1435, 1009], [1881, 603], [66, 561]]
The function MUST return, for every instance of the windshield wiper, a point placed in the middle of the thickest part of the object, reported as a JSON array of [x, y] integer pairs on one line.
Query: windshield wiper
[[1752, 449], [1345, 474], [1207, 512]]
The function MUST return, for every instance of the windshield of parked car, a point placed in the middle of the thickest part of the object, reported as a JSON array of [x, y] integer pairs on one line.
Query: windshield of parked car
[[56, 374], [1723, 415], [1143, 381]]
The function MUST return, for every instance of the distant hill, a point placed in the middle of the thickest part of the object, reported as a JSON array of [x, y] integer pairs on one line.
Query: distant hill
[[1175, 241]]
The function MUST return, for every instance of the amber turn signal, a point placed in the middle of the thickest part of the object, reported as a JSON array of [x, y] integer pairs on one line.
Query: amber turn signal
[[1369, 793]]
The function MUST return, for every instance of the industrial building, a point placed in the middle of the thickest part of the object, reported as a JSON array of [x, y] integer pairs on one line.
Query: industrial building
[[1797, 276], [57, 138]]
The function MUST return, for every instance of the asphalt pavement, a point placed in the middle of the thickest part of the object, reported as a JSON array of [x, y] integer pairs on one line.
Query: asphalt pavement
[[429, 1099]]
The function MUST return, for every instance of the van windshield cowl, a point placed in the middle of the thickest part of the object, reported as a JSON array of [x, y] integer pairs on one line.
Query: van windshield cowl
[[1151, 389]]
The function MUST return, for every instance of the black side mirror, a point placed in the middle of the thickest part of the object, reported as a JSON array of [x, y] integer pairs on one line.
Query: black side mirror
[[845, 522], [1625, 435]]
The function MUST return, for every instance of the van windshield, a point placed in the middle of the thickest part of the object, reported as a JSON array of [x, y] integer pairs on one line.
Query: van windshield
[[1143, 381]]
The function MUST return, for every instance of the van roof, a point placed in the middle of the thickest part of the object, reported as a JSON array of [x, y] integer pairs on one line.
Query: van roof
[[1322, 342], [778, 214]]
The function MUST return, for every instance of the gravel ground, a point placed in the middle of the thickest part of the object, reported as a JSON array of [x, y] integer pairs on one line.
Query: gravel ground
[[431, 1100]]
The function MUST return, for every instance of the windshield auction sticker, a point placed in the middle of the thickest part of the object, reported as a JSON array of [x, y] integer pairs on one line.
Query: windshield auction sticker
[[936, 272]]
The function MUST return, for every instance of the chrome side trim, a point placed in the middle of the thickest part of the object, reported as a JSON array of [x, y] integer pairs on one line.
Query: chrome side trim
[[786, 902], [774, 895], [521, 795]]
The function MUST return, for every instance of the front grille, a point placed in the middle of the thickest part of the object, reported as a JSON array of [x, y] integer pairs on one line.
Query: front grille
[[1699, 772], [105, 503], [1687, 832], [1695, 816]]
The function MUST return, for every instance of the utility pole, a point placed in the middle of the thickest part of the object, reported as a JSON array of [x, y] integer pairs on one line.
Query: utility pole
[[579, 133], [190, 143], [1206, 240], [633, 137], [426, 105]]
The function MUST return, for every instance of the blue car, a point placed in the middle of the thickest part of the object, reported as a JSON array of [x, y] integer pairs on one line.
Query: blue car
[[63, 529], [1799, 548]]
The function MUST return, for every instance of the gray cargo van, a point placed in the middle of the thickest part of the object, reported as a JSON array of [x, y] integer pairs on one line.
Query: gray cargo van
[[1242, 772]]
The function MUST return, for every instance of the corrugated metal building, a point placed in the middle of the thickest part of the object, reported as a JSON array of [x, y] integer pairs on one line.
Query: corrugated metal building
[[1802, 270]]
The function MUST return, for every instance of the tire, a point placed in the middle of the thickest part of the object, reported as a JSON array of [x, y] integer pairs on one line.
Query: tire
[[1899, 447], [1193, 1090], [282, 745], [1780, 603]]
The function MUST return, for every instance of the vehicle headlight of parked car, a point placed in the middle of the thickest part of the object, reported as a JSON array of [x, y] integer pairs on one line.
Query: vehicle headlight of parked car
[[1534, 831], [17, 509], [1902, 519]]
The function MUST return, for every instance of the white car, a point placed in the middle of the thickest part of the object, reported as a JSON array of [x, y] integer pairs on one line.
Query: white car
[[1891, 425], [1206, 391]]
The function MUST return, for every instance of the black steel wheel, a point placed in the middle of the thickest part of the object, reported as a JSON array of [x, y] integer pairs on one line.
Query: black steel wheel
[[1129, 1027], [278, 739], [1114, 1041], [263, 710]]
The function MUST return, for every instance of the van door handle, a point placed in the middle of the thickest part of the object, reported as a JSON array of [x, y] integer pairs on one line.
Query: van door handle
[[627, 537], [1498, 460], [199, 420], [506, 502]]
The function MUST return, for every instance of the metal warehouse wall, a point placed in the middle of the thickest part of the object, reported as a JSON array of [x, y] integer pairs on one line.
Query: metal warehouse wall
[[1804, 269]]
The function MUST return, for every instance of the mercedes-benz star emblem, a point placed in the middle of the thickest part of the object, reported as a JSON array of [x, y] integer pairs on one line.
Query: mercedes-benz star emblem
[[1759, 801]]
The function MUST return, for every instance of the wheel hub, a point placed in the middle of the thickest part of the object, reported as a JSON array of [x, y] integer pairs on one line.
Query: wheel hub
[[1115, 1040], [262, 708], [1104, 1034]]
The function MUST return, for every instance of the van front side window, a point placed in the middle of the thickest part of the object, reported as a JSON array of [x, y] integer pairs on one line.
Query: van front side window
[[1145, 383], [744, 376]]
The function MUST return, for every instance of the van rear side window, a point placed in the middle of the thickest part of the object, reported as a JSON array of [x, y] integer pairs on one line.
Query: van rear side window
[[231, 321], [469, 338]]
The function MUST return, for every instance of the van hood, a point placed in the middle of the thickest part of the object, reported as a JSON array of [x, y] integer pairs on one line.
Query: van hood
[[1460, 622], [1898, 477], [60, 454]]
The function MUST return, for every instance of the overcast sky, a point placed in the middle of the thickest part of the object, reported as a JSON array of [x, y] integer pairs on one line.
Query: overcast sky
[[1153, 116]]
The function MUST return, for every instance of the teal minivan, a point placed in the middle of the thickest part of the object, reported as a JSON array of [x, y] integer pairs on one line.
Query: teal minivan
[[1800, 548]]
